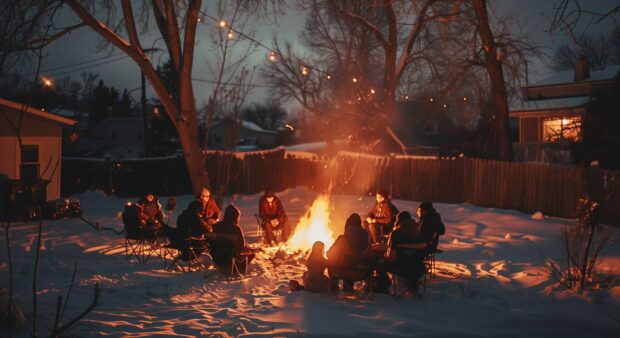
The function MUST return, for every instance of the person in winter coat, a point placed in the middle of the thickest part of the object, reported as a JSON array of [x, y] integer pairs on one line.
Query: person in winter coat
[[430, 224], [380, 219], [150, 215], [273, 217], [226, 241], [406, 251], [315, 279], [212, 213], [341, 257], [189, 231]]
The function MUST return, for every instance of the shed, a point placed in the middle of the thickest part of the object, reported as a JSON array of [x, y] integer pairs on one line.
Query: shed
[[41, 136]]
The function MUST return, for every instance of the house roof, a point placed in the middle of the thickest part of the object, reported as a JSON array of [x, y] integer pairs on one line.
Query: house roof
[[549, 104], [568, 76], [249, 125], [36, 112]]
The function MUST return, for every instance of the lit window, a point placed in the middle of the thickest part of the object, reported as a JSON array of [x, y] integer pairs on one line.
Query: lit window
[[563, 128]]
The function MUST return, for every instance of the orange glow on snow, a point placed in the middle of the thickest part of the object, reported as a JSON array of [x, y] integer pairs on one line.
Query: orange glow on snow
[[313, 226]]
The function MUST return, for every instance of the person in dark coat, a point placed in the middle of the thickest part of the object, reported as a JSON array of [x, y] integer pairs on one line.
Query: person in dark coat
[[189, 231], [380, 219], [315, 279], [430, 224], [273, 217], [150, 215], [353, 244], [212, 213], [406, 251], [226, 241]]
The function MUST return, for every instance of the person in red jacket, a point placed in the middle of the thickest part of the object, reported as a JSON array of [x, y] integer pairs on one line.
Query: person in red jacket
[[273, 217], [380, 220], [212, 213]]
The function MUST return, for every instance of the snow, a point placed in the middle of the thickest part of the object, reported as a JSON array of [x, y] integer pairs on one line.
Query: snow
[[491, 281], [568, 76]]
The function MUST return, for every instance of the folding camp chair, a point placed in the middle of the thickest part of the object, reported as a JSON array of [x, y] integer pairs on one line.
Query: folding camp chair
[[413, 251], [241, 262], [190, 258], [260, 232], [140, 241]]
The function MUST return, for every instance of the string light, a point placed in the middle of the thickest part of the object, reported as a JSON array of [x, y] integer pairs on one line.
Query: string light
[[273, 56], [445, 105], [47, 82], [464, 98]]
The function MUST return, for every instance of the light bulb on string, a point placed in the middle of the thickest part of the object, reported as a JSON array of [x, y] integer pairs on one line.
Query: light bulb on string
[[222, 23], [354, 80], [372, 90], [304, 70], [273, 56], [230, 35], [328, 76], [464, 98], [431, 99]]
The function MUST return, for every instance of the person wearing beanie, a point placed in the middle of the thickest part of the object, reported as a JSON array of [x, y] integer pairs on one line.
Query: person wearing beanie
[[401, 260], [273, 217], [212, 213], [380, 220], [430, 224]]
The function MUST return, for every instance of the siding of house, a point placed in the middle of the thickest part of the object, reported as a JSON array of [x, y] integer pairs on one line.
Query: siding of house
[[35, 131], [530, 131]]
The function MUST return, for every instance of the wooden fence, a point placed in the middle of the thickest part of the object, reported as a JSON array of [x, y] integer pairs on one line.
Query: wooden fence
[[551, 189]]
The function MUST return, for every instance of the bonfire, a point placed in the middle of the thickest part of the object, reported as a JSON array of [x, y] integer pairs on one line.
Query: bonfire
[[313, 226]]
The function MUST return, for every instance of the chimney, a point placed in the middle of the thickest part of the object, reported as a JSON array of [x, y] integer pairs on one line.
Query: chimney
[[582, 70]]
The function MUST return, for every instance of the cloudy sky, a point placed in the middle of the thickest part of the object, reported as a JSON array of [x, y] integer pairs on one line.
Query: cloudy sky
[[70, 55]]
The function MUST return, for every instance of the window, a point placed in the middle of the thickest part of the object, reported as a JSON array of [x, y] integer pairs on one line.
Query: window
[[29, 168], [562, 128]]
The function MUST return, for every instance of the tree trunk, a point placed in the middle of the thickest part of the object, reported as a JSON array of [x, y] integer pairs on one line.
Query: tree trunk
[[499, 141]]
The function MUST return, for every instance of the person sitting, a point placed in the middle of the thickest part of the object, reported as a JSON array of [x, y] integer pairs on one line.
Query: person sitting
[[211, 212], [272, 217], [380, 219], [226, 242], [406, 251], [187, 236], [353, 244], [430, 225], [150, 215], [315, 279]]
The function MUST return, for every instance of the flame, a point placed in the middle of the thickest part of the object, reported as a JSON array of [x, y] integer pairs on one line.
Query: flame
[[313, 226]]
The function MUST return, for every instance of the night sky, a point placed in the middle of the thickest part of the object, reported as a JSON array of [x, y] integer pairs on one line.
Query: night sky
[[121, 72]]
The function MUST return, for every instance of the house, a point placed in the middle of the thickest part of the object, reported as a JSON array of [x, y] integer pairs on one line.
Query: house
[[422, 125], [41, 136], [117, 137], [550, 115], [229, 133]]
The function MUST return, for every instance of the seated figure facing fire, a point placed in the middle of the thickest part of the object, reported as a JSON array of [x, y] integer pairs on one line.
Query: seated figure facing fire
[[150, 215], [273, 217]]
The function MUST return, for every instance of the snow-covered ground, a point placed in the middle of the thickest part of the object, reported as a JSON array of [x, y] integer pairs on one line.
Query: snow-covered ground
[[491, 282]]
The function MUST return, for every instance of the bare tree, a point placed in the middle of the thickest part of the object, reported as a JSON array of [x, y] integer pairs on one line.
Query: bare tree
[[370, 46], [598, 51], [177, 22], [573, 19]]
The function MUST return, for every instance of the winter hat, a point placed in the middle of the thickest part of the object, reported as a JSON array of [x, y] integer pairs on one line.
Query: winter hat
[[353, 221], [269, 193], [402, 216], [384, 193], [427, 207]]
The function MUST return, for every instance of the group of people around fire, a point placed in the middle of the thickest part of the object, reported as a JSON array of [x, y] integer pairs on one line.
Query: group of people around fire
[[385, 241]]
